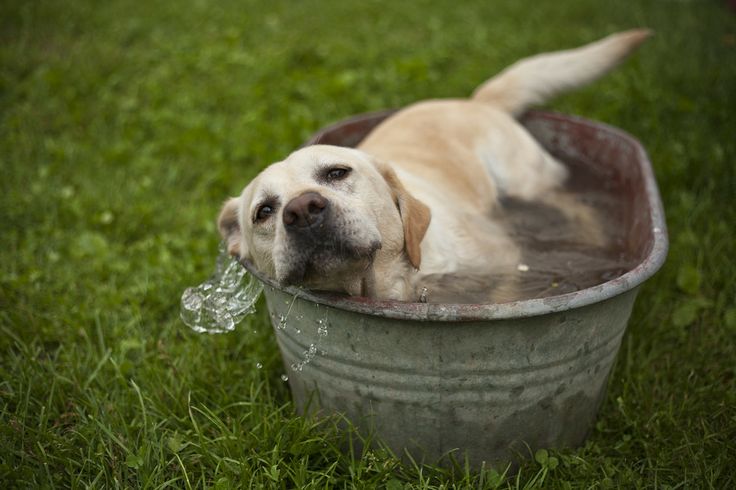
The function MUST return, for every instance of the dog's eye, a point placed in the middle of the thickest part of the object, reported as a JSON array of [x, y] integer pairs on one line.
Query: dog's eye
[[336, 173], [263, 213]]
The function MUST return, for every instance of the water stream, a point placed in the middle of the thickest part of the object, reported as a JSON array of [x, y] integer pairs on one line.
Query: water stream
[[229, 295], [222, 301]]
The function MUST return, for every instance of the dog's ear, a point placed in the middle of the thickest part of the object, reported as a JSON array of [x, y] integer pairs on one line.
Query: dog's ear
[[229, 225], [415, 215]]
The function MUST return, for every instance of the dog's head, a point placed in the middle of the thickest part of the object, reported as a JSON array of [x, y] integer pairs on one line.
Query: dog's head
[[322, 216]]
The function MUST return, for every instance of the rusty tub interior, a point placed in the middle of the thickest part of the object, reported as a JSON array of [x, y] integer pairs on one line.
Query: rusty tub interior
[[488, 382]]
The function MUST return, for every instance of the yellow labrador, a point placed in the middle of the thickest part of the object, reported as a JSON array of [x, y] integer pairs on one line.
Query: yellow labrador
[[415, 201]]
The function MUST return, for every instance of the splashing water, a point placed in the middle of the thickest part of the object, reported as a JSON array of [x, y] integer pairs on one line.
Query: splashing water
[[221, 302], [307, 357], [314, 348]]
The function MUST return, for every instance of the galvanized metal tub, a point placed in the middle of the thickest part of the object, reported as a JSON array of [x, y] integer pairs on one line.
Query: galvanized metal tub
[[486, 382]]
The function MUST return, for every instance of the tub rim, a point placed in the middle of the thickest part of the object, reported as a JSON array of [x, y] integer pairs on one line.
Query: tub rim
[[468, 312]]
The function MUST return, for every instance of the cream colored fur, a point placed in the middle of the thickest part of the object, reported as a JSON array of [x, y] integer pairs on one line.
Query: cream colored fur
[[421, 191]]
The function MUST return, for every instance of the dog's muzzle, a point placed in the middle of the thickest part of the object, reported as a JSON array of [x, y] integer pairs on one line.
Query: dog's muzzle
[[320, 243]]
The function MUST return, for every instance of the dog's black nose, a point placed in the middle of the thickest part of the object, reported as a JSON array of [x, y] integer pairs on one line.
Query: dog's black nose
[[304, 211]]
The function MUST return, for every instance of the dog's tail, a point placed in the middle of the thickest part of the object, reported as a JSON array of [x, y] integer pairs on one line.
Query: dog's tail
[[539, 78]]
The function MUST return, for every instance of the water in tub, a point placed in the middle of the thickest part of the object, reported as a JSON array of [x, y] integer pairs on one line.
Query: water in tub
[[554, 258]]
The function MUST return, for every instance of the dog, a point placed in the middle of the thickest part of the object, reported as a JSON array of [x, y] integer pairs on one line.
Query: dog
[[415, 206]]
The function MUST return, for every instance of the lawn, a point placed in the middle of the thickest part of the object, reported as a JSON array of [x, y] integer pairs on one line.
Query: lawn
[[123, 127]]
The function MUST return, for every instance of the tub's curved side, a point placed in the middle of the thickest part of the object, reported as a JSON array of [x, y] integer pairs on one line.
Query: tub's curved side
[[489, 388]]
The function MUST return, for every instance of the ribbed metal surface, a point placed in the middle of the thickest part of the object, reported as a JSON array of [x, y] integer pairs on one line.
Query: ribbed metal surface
[[482, 387], [490, 382]]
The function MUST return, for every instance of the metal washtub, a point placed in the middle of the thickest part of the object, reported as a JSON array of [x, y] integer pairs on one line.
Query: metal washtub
[[489, 382]]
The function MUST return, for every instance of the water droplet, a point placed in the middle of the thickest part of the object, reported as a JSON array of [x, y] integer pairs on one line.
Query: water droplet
[[522, 268], [282, 319], [657, 229], [284, 378], [297, 366], [259, 365], [322, 330], [298, 331]]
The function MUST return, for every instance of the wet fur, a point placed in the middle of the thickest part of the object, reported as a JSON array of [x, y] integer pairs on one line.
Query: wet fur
[[420, 206]]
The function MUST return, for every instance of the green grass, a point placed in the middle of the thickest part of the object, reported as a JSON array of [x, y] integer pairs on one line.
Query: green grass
[[123, 127]]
